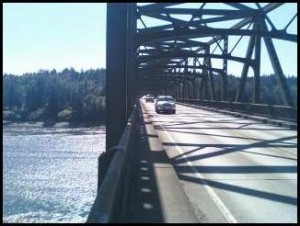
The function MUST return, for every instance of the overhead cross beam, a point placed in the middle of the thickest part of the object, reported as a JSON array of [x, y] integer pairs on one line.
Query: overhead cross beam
[[188, 48], [179, 44]]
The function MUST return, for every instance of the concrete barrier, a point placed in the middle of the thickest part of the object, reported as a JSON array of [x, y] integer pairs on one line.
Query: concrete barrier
[[271, 114], [273, 111], [113, 177]]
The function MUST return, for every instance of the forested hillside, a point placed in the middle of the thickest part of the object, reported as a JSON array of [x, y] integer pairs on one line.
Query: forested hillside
[[79, 97], [269, 89], [53, 96]]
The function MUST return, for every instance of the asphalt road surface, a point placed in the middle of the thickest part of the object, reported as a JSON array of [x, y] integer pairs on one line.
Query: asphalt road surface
[[232, 169]]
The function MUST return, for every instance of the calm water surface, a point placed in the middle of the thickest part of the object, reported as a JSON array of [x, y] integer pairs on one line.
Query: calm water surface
[[50, 174]]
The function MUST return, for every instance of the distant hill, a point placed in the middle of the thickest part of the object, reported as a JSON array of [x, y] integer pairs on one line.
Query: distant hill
[[51, 96], [79, 97]]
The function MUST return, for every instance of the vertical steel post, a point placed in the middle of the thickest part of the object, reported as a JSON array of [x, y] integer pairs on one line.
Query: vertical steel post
[[256, 68], [185, 85], [186, 62], [194, 85], [178, 90], [116, 101], [131, 56], [240, 91], [197, 88], [201, 88], [224, 73], [204, 86], [210, 75], [190, 89], [187, 88], [183, 90], [281, 80]]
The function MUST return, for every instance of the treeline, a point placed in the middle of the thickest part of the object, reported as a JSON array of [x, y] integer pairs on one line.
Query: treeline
[[79, 97], [52, 96], [269, 89]]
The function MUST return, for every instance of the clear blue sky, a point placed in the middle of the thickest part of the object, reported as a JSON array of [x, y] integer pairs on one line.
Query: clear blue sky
[[53, 35], [59, 35]]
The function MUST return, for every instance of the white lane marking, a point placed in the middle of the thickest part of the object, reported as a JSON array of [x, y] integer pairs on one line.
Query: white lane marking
[[219, 203]]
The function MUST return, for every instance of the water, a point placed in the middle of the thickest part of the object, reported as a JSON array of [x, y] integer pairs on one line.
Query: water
[[50, 175]]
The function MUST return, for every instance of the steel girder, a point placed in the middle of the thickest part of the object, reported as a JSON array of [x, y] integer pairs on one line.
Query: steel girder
[[178, 54], [178, 44], [201, 32], [120, 68]]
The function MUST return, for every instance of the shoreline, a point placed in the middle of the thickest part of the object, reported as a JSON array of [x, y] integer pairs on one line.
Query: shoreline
[[42, 124]]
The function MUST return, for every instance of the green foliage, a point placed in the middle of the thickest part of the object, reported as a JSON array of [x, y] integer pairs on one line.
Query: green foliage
[[80, 96], [269, 89], [56, 96]]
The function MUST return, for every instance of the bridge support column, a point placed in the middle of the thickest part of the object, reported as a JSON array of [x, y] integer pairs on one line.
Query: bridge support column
[[240, 92], [116, 72], [209, 75], [281, 81], [131, 63]]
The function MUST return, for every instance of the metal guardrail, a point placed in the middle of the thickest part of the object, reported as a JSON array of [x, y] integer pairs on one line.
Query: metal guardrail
[[274, 111], [113, 171]]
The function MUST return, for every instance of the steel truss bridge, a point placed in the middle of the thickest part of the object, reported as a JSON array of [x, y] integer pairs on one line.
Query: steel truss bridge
[[176, 55], [187, 50]]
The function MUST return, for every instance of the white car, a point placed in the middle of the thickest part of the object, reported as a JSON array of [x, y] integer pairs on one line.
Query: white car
[[165, 104]]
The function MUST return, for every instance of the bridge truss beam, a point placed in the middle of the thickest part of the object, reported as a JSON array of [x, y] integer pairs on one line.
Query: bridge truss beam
[[180, 44], [150, 46]]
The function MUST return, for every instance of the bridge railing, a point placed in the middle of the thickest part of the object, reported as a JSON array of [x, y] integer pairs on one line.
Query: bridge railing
[[113, 172], [274, 111]]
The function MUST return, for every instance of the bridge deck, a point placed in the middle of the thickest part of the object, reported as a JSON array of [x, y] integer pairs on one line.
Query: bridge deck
[[203, 166], [156, 194]]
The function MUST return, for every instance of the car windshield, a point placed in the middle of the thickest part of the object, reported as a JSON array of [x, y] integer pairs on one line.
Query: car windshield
[[165, 99]]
